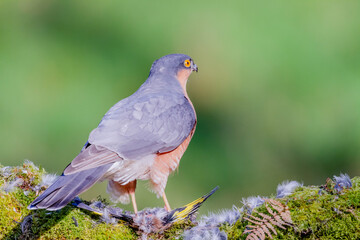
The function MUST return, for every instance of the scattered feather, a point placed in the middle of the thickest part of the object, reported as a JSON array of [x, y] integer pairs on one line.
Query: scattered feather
[[6, 171], [10, 186], [229, 216], [75, 222], [342, 182], [26, 223], [26, 192], [46, 180], [251, 202], [97, 204], [204, 233], [208, 227], [286, 188], [30, 164], [150, 220], [106, 217]]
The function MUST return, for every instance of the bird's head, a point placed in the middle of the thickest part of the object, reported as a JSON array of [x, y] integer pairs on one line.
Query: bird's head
[[177, 65], [173, 64]]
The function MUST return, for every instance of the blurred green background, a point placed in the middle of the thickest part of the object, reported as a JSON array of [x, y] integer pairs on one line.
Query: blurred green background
[[277, 94]]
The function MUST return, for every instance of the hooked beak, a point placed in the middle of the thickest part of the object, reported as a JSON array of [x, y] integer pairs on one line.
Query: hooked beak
[[194, 68]]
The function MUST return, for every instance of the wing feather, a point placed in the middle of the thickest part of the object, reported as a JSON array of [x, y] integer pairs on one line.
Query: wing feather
[[138, 126], [91, 157]]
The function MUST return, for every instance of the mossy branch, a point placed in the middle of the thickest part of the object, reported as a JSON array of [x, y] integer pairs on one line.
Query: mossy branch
[[317, 212]]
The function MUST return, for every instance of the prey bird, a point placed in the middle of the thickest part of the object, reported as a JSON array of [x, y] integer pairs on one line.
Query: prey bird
[[142, 137]]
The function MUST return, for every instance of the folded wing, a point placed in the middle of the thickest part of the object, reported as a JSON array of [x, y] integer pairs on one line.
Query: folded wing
[[151, 124]]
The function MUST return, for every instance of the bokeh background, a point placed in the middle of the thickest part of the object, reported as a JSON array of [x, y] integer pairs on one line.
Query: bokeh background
[[277, 94]]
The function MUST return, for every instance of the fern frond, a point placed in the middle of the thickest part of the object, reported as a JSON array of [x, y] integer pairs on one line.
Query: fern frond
[[278, 215]]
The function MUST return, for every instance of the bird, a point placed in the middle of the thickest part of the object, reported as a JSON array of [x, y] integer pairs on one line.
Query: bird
[[141, 137], [150, 219]]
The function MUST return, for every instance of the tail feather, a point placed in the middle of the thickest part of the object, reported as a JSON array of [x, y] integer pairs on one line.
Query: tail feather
[[67, 187]]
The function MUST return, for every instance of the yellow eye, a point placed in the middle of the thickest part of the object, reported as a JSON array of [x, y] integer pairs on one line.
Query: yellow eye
[[187, 63]]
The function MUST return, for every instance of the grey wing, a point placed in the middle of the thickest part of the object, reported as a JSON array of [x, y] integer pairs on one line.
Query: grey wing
[[91, 156], [148, 125]]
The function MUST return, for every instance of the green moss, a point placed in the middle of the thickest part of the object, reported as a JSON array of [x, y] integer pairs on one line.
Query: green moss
[[328, 215], [68, 223], [13, 205], [72, 223], [177, 230]]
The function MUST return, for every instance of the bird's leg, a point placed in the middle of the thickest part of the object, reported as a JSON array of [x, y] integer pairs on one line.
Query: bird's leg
[[167, 205], [132, 194], [131, 190]]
